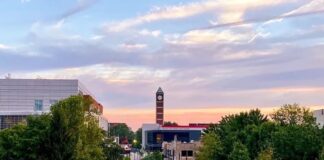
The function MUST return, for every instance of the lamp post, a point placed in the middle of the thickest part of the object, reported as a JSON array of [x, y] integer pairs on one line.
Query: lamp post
[[134, 143]]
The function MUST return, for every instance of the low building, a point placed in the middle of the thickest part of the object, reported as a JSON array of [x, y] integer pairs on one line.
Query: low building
[[20, 98], [177, 150], [153, 135], [319, 115]]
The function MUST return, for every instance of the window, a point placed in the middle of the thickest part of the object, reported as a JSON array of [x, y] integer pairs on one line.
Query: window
[[183, 153], [190, 153], [38, 105], [186, 153]]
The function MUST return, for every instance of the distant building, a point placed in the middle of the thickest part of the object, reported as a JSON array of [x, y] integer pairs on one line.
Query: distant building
[[153, 135], [319, 115], [180, 150], [22, 97]]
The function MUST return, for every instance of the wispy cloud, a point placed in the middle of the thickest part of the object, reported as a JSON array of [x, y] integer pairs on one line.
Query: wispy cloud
[[209, 36], [228, 11], [79, 6]]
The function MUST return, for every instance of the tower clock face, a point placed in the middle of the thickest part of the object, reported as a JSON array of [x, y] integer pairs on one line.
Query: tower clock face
[[159, 97]]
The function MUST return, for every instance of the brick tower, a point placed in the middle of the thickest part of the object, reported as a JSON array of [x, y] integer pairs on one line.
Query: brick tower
[[159, 106]]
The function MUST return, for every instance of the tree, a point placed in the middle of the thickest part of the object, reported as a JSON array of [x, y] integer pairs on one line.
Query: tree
[[266, 154], [122, 131], [25, 140], [112, 150], [69, 131], [290, 114], [74, 132], [321, 156], [169, 123], [240, 152], [11, 143], [153, 156], [296, 142], [211, 148], [243, 127], [138, 139]]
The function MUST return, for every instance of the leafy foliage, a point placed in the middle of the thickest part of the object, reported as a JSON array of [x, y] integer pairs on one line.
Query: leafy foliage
[[20, 140], [122, 131], [138, 138], [266, 154], [211, 148], [112, 150], [169, 123], [69, 131], [296, 142], [153, 156], [293, 114], [292, 134], [239, 152]]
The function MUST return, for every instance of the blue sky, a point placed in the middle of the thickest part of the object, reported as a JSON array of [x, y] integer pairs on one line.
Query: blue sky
[[124, 50]]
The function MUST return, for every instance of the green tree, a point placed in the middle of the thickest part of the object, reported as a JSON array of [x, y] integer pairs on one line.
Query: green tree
[[243, 127], [11, 142], [122, 131], [297, 142], [138, 139], [70, 131], [25, 141], [91, 136], [153, 156], [266, 154], [74, 132], [240, 152], [211, 148], [169, 123], [112, 150], [321, 156], [293, 114]]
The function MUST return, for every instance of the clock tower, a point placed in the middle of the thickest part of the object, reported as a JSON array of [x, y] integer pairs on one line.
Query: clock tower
[[159, 106]]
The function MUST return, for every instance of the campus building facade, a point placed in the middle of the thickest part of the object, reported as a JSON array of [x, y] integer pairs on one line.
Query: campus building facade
[[22, 97]]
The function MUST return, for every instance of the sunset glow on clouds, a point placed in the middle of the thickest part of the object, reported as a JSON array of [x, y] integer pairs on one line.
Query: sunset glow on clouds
[[123, 53]]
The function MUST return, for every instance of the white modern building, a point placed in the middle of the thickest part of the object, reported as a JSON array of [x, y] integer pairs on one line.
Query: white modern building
[[319, 115], [22, 97]]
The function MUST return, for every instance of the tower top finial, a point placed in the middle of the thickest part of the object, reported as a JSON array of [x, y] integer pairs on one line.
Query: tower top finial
[[159, 90]]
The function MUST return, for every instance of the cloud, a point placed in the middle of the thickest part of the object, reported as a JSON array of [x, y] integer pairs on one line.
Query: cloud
[[146, 32], [228, 11], [108, 73], [131, 46], [3, 46], [233, 66], [80, 6], [209, 36]]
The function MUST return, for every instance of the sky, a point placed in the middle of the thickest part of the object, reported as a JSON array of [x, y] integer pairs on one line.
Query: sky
[[211, 57]]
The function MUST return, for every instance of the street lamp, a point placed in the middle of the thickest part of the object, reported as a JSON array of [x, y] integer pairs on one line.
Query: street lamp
[[134, 143]]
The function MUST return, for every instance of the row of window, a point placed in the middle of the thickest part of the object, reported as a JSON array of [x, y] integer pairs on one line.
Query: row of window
[[39, 104], [184, 153]]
